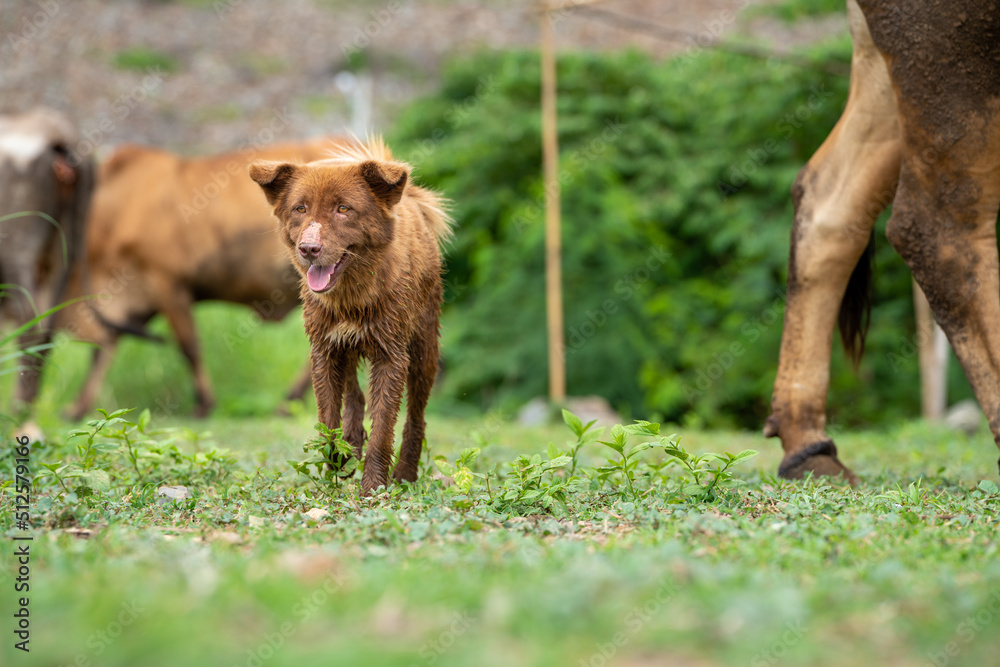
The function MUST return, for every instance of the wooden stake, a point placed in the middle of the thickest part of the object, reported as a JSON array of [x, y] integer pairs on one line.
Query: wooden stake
[[933, 345], [553, 238]]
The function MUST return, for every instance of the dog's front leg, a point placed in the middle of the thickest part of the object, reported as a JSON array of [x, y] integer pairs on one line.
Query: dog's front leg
[[385, 392], [328, 369]]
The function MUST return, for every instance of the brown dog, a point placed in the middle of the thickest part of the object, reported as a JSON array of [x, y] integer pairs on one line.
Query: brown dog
[[365, 241]]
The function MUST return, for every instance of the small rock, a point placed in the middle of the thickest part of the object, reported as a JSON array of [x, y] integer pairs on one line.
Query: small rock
[[317, 513], [537, 411], [227, 536], [255, 521], [82, 533], [171, 494], [313, 565], [32, 431], [965, 416], [593, 407], [534, 413]]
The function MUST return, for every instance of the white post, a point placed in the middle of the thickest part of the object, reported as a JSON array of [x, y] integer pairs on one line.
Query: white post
[[933, 346]]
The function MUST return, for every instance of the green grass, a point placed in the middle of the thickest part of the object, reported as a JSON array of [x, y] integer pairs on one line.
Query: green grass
[[766, 573]]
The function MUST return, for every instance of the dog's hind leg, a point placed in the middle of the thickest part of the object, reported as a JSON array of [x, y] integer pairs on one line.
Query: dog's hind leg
[[387, 369], [419, 381]]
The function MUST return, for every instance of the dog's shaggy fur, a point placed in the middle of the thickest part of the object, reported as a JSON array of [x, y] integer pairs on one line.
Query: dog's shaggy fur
[[365, 241]]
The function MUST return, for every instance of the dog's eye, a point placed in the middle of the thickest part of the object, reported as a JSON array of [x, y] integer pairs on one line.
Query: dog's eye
[[343, 209], [300, 209]]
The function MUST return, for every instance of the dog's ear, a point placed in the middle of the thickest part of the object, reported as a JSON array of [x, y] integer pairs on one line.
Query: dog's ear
[[273, 177], [386, 180]]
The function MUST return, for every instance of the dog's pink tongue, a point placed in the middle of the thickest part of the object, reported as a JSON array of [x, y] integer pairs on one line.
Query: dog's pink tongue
[[318, 277]]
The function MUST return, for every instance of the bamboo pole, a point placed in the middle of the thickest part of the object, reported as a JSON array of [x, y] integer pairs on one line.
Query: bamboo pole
[[553, 237], [933, 353]]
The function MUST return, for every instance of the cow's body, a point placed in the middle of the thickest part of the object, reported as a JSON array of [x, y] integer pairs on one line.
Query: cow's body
[[921, 131], [167, 231], [38, 175]]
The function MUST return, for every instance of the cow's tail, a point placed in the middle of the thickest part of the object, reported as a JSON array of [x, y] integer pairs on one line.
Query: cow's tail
[[856, 307], [128, 328]]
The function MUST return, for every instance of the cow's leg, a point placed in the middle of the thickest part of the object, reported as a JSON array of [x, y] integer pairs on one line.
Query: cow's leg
[[388, 375], [419, 381], [354, 407], [178, 312], [36, 344], [99, 365], [27, 301], [944, 224], [297, 391], [301, 384], [837, 197]]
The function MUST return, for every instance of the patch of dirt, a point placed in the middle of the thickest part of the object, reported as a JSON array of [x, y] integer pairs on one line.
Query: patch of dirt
[[246, 71]]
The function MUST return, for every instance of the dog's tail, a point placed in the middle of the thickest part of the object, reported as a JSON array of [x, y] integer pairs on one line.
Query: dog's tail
[[435, 210], [856, 308]]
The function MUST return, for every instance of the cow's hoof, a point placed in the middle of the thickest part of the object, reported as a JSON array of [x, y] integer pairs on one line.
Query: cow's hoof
[[820, 459], [203, 410]]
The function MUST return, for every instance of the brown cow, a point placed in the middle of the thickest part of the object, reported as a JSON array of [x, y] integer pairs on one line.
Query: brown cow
[[921, 130], [40, 182], [167, 231]]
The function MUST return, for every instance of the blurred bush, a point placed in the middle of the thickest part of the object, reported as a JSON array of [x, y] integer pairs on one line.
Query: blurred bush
[[676, 223]]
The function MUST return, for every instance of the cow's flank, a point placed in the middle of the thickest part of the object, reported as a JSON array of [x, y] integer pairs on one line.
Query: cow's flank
[[167, 231]]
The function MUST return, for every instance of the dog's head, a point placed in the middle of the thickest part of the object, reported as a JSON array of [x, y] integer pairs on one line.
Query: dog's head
[[333, 214]]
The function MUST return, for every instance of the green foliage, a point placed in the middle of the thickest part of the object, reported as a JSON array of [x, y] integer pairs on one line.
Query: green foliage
[[706, 478], [460, 472], [116, 453], [887, 573], [330, 455], [585, 434], [676, 216], [549, 483], [705, 481]]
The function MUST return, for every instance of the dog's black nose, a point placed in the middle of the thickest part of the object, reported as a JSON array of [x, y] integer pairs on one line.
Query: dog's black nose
[[310, 250]]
